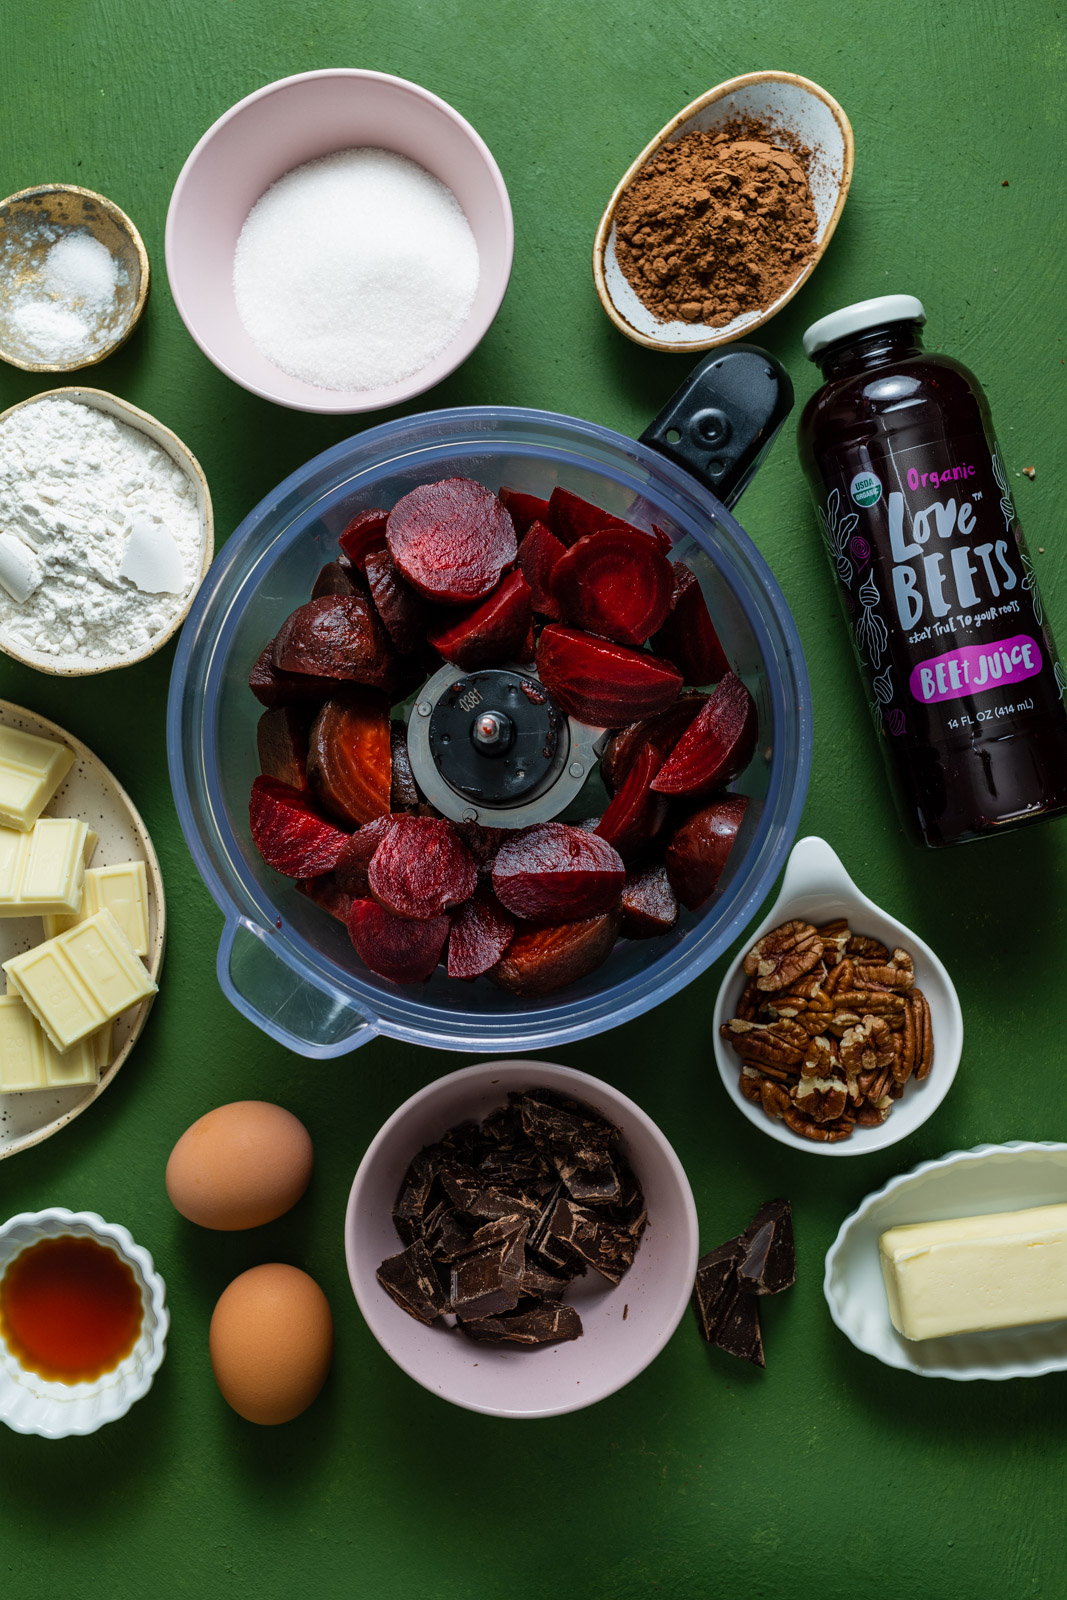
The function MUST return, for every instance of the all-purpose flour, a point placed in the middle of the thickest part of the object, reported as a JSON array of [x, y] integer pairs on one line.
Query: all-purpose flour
[[73, 484]]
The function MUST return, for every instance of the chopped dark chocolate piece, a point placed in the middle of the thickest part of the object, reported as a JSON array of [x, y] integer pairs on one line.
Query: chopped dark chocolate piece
[[738, 1331], [545, 1324], [538, 1283], [413, 1200], [487, 1278], [716, 1283], [769, 1264], [605, 1246], [411, 1279]]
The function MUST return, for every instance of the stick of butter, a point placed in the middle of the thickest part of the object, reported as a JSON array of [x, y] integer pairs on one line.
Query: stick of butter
[[29, 1061], [968, 1274], [122, 890], [31, 770], [42, 872], [81, 979]]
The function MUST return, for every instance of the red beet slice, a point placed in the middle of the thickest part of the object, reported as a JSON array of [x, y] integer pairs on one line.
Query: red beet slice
[[326, 893], [366, 532], [717, 745], [553, 872], [663, 539], [349, 757], [282, 741], [617, 583], [493, 632], [525, 509], [697, 853], [274, 688], [338, 636], [357, 855], [289, 833], [649, 904], [539, 960], [405, 791], [405, 613], [451, 540], [422, 868], [402, 951], [602, 683], [636, 814], [334, 579], [481, 932], [539, 553], [571, 518], [661, 732], [688, 636]]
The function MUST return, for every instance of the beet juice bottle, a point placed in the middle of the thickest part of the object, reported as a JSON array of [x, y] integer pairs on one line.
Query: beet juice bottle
[[948, 626]]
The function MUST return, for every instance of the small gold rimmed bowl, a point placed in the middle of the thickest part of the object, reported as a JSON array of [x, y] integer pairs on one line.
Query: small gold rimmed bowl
[[31, 222], [794, 109]]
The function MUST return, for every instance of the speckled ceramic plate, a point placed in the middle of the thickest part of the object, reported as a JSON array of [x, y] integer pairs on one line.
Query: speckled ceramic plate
[[967, 1183], [91, 793]]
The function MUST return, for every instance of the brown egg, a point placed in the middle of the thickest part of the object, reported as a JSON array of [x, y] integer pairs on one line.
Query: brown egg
[[271, 1342], [240, 1165]]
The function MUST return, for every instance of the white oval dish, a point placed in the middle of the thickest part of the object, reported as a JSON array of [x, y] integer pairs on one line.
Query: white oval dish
[[32, 1404], [967, 1183], [183, 458], [817, 888], [781, 100], [92, 793]]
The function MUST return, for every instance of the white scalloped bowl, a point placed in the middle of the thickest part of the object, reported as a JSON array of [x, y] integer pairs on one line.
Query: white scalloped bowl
[[967, 1183], [31, 1404]]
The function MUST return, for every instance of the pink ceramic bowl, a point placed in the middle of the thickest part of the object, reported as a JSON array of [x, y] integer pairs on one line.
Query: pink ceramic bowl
[[280, 127], [625, 1327]]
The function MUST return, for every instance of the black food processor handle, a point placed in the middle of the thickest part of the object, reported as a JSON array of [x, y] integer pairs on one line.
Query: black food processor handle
[[724, 418]]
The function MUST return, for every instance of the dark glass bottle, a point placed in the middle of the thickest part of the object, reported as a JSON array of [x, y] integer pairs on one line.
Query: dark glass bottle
[[949, 628]]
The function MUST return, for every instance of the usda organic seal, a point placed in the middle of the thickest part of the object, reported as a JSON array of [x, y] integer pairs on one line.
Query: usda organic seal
[[866, 489]]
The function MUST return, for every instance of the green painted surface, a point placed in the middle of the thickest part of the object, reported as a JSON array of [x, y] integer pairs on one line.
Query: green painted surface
[[827, 1475]]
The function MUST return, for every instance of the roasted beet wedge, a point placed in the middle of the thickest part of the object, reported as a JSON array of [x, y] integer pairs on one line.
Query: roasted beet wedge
[[660, 732], [356, 856], [274, 688], [282, 742], [405, 614], [326, 893], [539, 960], [402, 951], [688, 636], [338, 636], [452, 540], [481, 932], [405, 791], [350, 764], [493, 632], [525, 509], [649, 904], [539, 553], [571, 518], [617, 583], [553, 872], [600, 682], [335, 579], [697, 853], [483, 844], [366, 532], [636, 814], [716, 746], [289, 833], [422, 868]]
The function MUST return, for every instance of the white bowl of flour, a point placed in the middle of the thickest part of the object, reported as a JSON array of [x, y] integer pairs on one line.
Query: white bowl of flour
[[106, 531]]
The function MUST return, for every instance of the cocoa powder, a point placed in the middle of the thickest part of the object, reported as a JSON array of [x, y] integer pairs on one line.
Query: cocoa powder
[[717, 224]]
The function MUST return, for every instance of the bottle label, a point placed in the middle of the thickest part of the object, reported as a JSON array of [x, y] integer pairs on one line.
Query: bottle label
[[940, 590]]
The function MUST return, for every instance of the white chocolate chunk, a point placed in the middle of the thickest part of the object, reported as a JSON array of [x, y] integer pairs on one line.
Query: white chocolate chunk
[[31, 770], [969, 1274], [80, 980], [42, 872], [122, 890], [152, 560], [29, 1061]]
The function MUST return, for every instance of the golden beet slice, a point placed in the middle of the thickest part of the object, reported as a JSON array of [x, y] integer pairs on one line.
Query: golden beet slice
[[350, 758]]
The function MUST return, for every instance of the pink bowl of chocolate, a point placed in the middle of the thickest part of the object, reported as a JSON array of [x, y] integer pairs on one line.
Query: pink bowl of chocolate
[[628, 1257]]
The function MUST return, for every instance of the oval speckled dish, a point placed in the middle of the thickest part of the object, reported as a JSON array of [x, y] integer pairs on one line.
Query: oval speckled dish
[[967, 1183], [93, 794], [32, 1404]]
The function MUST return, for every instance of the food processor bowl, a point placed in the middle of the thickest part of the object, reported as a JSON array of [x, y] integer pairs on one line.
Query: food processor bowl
[[282, 961]]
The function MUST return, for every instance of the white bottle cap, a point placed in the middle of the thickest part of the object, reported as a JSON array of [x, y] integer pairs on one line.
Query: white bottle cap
[[858, 318]]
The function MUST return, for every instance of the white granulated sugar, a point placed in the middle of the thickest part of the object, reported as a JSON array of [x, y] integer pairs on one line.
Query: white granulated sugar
[[355, 270], [67, 308], [74, 483]]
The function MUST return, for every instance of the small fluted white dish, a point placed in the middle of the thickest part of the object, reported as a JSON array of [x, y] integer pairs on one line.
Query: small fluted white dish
[[32, 1404], [817, 888], [967, 1183]]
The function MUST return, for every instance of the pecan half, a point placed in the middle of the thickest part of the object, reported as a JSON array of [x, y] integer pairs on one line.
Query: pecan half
[[896, 973], [867, 1002], [867, 949], [820, 1132], [783, 955], [774, 1100], [776, 1044], [867, 1047], [924, 1035], [835, 937]]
